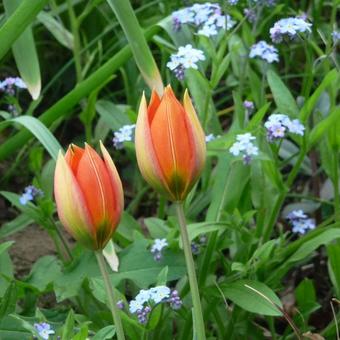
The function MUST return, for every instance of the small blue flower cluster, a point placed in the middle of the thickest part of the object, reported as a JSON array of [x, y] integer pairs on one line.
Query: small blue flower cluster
[[289, 27], [29, 194], [185, 58], [264, 51], [44, 330], [277, 124], [196, 246], [10, 83], [157, 248], [145, 299], [244, 146], [336, 37], [207, 17], [124, 134], [300, 221]]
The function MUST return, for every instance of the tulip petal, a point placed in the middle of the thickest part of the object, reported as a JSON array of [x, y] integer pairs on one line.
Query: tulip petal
[[153, 105], [95, 184], [170, 138], [146, 157], [116, 183], [71, 204], [73, 155], [197, 136]]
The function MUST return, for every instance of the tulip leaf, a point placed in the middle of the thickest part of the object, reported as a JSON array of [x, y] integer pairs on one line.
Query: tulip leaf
[[41, 132], [18, 22], [140, 49], [57, 29], [25, 54]]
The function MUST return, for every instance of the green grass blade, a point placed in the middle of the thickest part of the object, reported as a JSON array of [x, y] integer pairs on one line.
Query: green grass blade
[[25, 54], [18, 22], [140, 49], [65, 104]]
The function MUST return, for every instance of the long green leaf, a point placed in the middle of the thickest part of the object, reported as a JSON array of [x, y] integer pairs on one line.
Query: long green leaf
[[311, 102], [41, 132], [25, 54], [140, 49], [18, 22], [321, 128], [284, 100], [57, 29], [63, 106]]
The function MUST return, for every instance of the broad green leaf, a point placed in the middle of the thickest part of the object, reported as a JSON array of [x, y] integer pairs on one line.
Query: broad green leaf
[[140, 49], [253, 296], [196, 229], [114, 115], [11, 329], [6, 269], [105, 333], [309, 246], [284, 100], [70, 281], [157, 228], [200, 92], [25, 54], [289, 151], [312, 100], [17, 224], [41, 132], [4, 246], [256, 119], [44, 272], [29, 209], [68, 326], [306, 297], [9, 300], [228, 176], [333, 252], [322, 128], [18, 22], [57, 29]]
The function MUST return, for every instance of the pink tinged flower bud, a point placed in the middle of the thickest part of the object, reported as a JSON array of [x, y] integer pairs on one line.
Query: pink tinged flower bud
[[88, 194], [170, 144]]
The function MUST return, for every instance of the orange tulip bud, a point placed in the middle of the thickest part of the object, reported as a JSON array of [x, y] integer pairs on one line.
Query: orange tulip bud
[[170, 144], [89, 195]]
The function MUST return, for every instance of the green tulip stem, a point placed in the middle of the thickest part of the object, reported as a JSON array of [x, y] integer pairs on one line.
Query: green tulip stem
[[111, 296], [197, 309]]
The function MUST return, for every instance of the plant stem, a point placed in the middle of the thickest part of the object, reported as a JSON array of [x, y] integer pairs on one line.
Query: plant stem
[[336, 184], [197, 309], [111, 297]]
